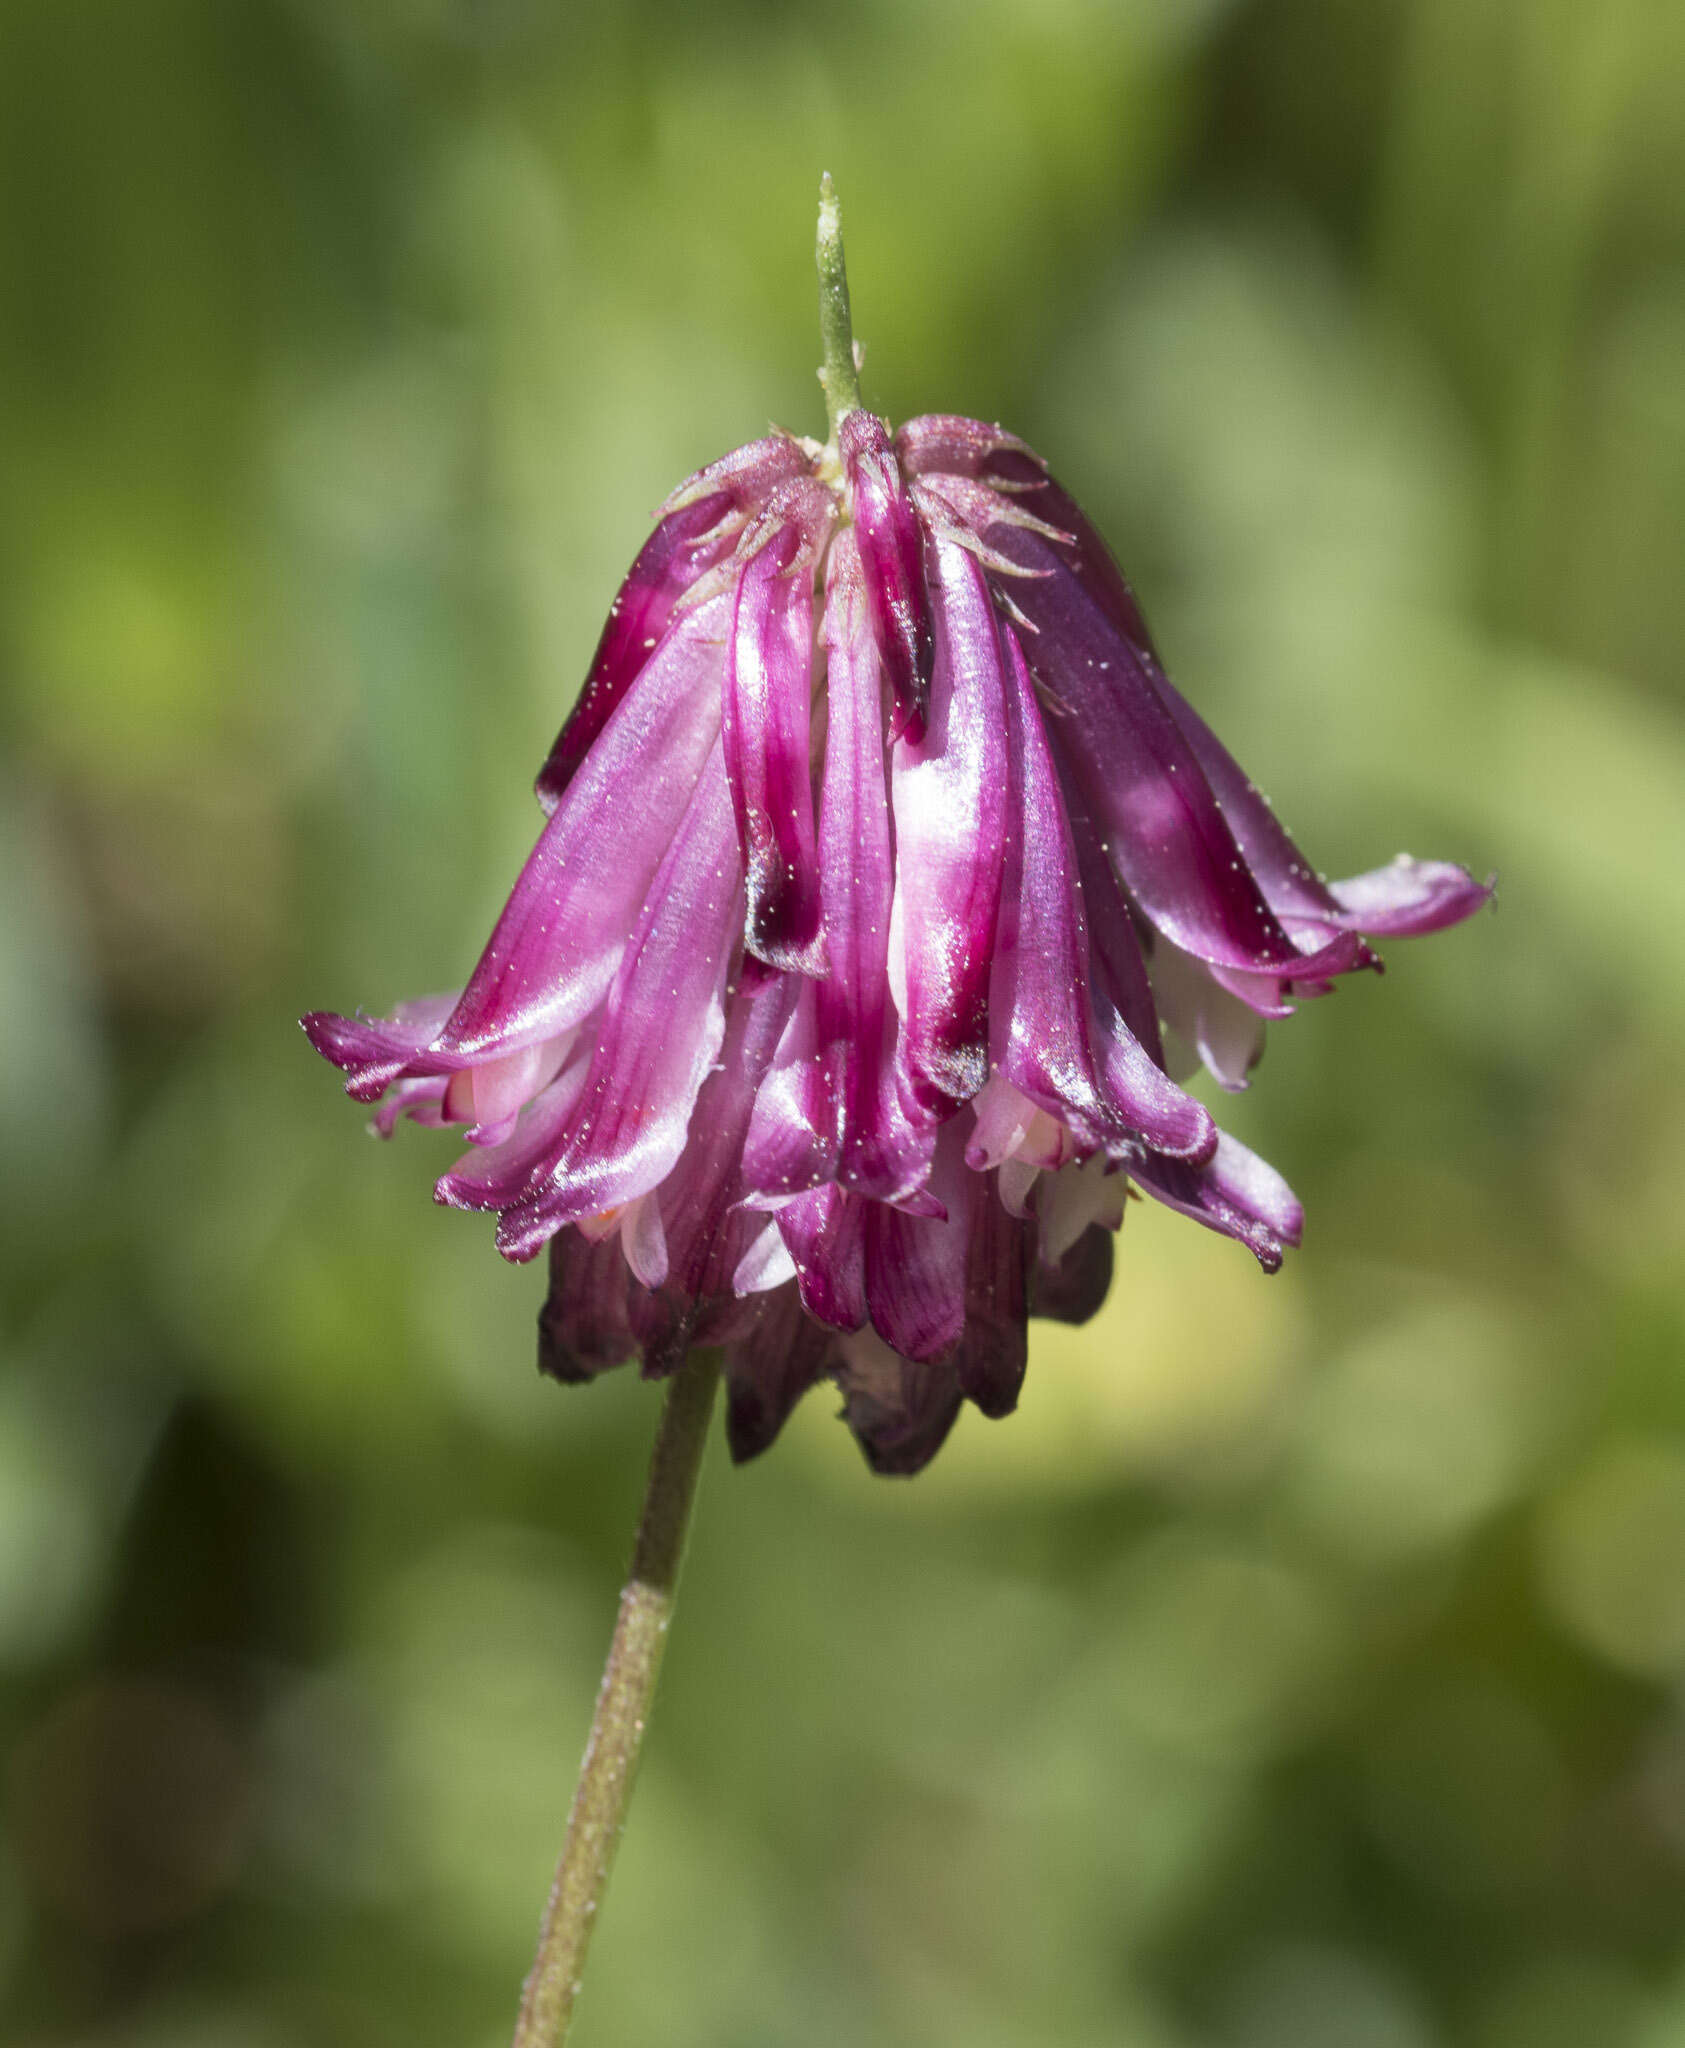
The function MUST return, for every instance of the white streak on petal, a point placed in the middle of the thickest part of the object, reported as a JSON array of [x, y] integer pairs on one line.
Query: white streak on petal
[[643, 1239], [765, 1265]]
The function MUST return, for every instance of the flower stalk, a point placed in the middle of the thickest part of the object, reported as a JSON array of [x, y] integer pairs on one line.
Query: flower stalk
[[623, 1706], [840, 376]]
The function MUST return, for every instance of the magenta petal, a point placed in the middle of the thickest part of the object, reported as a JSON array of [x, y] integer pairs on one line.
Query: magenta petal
[[916, 1265], [583, 1328], [421, 1100], [791, 1142], [1020, 472], [559, 940], [1272, 993], [781, 1354], [892, 555], [661, 1032], [374, 1051], [698, 530], [825, 1234], [706, 1234], [1402, 900], [1126, 1026], [880, 1151], [502, 1176], [1235, 1192], [1163, 828], [1408, 898], [768, 701], [948, 444], [950, 800], [1038, 998], [702, 1232], [1287, 878]]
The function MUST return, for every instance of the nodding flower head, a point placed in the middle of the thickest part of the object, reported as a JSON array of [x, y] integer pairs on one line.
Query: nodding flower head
[[887, 892]]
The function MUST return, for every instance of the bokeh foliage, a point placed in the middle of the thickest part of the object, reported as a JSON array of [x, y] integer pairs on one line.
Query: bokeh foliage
[[1301, 1667]]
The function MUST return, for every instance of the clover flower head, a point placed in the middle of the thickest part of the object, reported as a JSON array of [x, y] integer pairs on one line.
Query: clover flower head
[[887, 893]]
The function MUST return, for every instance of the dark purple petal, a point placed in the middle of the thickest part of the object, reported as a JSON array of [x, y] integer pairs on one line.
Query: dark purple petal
[[943, 445], [1288, 879], [899, 1409], [1235, 1192], [664, 1324], [661, 1033], [699, 528], [1021, 473], [560, 938], [879, 1150], [1073, 1289], [1162, 826], [583, 1328], [916, 1265], [825, 1234], [669, 1323], [767, 704], [769, 1368], [950, 799], [994, 1348], [892, 555]]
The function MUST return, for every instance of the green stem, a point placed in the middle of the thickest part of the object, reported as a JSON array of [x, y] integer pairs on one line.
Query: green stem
[[839, 377], [623, 1705]]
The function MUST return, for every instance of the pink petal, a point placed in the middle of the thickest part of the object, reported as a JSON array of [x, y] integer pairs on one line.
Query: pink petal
[[1408, 898], [661, 1033], [558, 943], [1038, 998], [891, 553], [698, 530], [879, 1150], [950, 795], [767, 701], [1125, 1021]]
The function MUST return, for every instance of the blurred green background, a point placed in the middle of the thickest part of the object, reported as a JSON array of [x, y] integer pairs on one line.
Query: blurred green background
[[1302, 1666]]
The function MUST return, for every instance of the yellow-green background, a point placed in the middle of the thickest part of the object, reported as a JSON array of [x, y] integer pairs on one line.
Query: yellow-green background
[[1301, 1667]]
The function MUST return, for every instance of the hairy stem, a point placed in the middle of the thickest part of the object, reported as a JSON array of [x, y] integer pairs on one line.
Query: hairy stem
[[623, 1704]]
